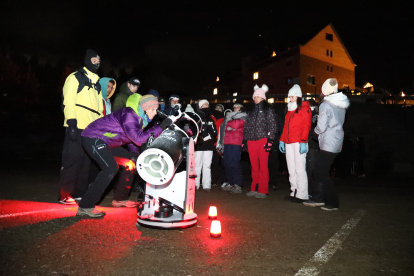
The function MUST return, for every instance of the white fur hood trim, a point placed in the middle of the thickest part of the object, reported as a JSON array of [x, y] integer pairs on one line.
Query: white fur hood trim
[[338, 99]]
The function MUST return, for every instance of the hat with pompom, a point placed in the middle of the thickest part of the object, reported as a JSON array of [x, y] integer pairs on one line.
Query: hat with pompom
[[330, 86], [260, 91]]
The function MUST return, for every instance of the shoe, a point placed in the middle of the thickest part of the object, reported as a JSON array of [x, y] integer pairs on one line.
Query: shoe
[[297, 200], [226, 187], [329, 208], [124, 203], [252, 193], [260, 195], [77, 198], [90, 212], [206, 190], [236, 189], [214, 185], [312, 203], [68, 201]]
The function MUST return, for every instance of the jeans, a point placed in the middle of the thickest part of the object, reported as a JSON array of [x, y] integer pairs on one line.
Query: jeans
[[232, 164], [324, 189]]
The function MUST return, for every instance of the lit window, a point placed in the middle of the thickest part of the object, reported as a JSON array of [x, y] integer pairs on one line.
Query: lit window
[[273, 54], [217, 78], [311, 80], [329, 37], [234, 100], [235, 94], [271, 100], [289, 80], [215, 91], [256, 75]]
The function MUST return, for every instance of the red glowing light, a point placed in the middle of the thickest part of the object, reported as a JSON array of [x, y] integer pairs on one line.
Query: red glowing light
[[215, 229], [212, 212]]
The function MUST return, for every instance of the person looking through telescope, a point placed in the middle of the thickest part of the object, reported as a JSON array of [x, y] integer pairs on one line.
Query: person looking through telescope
[[102, 140]]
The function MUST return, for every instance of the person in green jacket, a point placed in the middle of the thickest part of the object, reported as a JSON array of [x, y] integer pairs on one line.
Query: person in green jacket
[[127, 89]]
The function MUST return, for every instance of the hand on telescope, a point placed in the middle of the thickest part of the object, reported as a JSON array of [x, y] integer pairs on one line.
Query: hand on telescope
[[166, 123]]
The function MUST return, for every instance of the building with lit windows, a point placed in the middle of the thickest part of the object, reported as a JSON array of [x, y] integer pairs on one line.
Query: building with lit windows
[[308, 64]]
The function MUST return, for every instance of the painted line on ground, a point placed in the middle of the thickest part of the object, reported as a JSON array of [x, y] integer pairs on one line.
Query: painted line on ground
[[323, 255], [34, 212]]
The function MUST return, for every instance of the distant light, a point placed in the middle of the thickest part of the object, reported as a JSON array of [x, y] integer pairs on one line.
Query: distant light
[[402, 94], [307, 93], [215, 229], [212, 212], [217, 78], [235, 94], [271, 100], [368, 85], [215, 91], [234, 100], [255, 75], [273, 54]]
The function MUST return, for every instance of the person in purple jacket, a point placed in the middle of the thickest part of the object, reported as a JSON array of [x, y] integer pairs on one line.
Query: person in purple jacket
[[102, 140]]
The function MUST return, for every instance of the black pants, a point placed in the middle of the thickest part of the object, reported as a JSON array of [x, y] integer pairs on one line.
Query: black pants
[[311, 161], [324, 189], [75, 169], [105, 157], [217, 169]]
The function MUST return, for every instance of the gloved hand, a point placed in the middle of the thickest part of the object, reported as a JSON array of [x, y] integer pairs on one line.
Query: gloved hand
[[303, 148], [72, 130], [244, 145], [282, 147], [268, 145], [166, 123], [208, 137]]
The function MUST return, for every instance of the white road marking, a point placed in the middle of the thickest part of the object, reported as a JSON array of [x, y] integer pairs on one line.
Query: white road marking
[[326, 252], [33, 212]]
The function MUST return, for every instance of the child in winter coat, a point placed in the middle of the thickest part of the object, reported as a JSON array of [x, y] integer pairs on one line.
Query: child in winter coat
[[102, 140], [108, 88], [229, 144], [259, 134], [205, 146], [294, 142], [331, 136]]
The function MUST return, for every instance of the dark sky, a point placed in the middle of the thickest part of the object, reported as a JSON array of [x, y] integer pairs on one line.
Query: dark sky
[[188, 43]]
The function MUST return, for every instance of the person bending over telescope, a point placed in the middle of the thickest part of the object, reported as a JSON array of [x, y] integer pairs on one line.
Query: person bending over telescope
[[102, 140]]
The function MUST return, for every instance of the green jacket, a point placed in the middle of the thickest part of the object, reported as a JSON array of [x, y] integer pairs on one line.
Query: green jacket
[[122, 97]]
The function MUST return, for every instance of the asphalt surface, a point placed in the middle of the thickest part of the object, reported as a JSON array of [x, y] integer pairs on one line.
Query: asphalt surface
[[372, 233]]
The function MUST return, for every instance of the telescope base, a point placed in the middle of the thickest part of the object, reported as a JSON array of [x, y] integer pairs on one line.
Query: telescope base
[[172, 222]]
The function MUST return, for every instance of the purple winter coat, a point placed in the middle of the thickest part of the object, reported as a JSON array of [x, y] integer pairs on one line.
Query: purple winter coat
[[121, 127]]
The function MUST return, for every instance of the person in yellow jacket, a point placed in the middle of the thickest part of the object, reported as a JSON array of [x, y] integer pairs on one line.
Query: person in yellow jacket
[[82, 105]]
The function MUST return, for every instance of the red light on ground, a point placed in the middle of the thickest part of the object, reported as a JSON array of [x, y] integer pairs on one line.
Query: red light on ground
[[215, 229], [212, 212]]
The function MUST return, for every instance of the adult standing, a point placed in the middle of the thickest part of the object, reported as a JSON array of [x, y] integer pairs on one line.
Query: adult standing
[[313, 147], [331, 136], [127, 89], [174, 102], [258, 135], [229, 144], [82, 105], [205, 146], [294, 142], [217, 168]]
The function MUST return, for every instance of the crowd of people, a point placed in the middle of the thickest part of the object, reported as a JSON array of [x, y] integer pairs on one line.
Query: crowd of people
[[103, 140]]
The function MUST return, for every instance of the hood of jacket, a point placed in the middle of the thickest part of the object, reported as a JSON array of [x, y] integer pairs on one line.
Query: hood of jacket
[[104, 84], [338, 100], [124, 89]]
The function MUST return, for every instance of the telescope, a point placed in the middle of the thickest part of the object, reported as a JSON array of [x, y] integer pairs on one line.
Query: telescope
[[168, 167]]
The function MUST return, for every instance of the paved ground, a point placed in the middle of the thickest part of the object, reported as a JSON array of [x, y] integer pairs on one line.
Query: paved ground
[[371, 234]]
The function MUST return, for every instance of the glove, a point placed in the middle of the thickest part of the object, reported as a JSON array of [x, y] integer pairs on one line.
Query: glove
[[166, 123], [303, 148], [268, 145], [282, 147], [244, 145], [72, 130], [208, 137]]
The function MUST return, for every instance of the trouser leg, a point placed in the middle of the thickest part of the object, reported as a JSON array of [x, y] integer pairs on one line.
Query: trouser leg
[[207, 157], [98, 151], [198, 167], [290, 161], [311, 159], [126, 176], [73, 156], [263, 167], [254, 161], [323, 180]]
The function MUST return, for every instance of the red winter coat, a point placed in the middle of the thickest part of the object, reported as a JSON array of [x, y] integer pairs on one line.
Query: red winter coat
[[234, 136], [218, 123], [297, 125]]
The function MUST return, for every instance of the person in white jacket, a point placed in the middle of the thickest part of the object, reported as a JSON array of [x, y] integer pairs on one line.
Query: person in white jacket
[[331, 136]]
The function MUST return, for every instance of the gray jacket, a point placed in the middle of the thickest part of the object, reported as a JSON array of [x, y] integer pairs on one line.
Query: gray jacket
[[331, 119]]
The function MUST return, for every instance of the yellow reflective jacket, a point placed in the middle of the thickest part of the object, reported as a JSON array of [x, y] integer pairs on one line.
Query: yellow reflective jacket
[[81, 98]]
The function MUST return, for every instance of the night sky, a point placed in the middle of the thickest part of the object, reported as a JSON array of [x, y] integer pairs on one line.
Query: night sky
[[186, 44]]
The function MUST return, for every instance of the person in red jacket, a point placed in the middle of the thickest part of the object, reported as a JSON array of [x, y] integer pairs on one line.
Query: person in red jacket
[[294, 142]]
